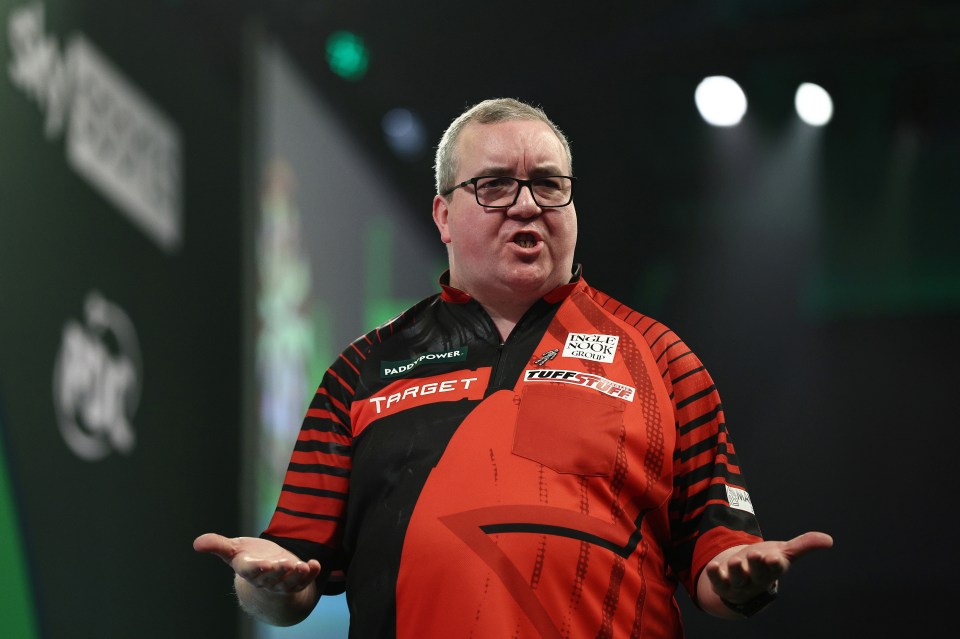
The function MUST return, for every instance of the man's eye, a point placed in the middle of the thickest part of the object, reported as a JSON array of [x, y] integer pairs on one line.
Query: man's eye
[[549, 184], [495, 183]]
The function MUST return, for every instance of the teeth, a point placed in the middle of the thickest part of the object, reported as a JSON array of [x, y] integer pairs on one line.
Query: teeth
[[525, 241]]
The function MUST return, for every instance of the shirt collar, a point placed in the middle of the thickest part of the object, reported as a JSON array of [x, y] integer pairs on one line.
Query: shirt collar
[[456, 296]]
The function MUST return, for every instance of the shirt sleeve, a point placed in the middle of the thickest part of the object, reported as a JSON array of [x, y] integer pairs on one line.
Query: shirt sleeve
[[309, 517], [710, 509]]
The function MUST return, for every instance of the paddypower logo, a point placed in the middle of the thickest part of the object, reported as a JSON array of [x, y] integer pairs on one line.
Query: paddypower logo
[[402, 367], [96, 381]]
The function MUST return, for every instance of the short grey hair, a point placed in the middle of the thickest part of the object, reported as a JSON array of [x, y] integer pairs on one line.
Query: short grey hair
[[486, 112]]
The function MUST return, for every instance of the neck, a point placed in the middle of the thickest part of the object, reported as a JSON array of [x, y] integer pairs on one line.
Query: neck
[[504, 306]]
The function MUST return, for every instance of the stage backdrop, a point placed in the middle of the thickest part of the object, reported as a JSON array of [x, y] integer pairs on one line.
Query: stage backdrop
[[332, 258], [120, 287]]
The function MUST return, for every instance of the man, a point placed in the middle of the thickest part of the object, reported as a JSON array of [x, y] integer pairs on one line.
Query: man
[[519, 455]]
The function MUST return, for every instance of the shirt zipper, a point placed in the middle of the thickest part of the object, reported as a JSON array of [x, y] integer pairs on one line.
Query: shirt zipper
[[496, 382]]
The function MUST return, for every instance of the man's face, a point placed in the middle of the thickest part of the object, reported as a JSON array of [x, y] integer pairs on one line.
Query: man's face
[[518, 253]]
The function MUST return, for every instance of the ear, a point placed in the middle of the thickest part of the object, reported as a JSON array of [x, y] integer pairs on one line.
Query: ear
[[441, 212]]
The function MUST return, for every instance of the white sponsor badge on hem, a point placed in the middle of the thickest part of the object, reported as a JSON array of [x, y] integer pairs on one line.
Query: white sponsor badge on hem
[[739, 499]]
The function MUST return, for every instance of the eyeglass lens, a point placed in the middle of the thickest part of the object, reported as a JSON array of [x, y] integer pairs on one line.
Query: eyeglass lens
[[502, 191]]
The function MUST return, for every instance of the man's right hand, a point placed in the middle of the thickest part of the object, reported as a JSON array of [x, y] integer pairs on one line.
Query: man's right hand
[[262, 563]]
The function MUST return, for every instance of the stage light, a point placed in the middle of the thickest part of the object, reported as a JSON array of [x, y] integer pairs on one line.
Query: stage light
[[814, 105], [347, 55], [404, 133], [721, 101]]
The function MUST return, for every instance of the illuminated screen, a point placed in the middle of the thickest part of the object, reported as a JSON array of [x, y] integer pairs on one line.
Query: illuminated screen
[[333, 259]]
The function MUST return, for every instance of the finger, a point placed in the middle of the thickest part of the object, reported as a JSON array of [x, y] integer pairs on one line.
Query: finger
[[294, 579], [767, 567], [718, 577], [773, 559], [264, 574], [807, 542], [298, 578], [276, 580], [738, 573], [305, 573], [312, 571], [218, 545]]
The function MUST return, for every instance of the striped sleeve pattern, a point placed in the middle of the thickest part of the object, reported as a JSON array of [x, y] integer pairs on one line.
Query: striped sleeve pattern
[[704, 461], [309, 516], [309, 512]]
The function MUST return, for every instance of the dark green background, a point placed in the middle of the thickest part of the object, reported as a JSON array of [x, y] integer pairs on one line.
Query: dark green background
[[108, 544]]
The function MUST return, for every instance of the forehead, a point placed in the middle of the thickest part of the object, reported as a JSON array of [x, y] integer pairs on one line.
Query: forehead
[[513, 144]]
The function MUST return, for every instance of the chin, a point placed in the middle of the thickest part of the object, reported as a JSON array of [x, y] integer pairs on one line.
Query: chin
[[531, 280]]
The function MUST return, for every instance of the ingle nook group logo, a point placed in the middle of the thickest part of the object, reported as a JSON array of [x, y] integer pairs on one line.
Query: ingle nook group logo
[[599, 348], [390, 369], [117, 140], [96, 381]]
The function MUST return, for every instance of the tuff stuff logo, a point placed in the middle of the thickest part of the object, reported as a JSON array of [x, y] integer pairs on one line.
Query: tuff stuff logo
[[599, 348], [96, 381], [596, 382]]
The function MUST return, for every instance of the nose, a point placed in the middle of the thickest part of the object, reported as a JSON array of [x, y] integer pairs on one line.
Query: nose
[[525, 206]]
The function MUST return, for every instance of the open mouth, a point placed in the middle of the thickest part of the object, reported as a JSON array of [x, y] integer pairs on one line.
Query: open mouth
[[525, 240]]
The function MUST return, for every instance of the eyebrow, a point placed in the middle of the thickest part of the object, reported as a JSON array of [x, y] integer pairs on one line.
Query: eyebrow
[[540, 171]]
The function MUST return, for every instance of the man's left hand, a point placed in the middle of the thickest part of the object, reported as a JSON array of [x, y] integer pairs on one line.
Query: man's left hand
[[739, 574]]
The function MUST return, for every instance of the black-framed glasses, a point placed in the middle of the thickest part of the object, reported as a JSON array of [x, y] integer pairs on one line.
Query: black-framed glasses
[[501, 192]]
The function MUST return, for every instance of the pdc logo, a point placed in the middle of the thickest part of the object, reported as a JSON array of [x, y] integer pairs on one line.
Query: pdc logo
[[96, 381], [599, 348]]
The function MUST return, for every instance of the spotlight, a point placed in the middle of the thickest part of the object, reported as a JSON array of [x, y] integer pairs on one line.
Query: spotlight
[[814, 105], [721, 101], [347, 55], [404, 132]]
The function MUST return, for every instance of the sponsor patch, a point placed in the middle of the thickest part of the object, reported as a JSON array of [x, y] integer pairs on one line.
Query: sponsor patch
[[402, 367], [739, 499], [404, 394], [118, 140], [577, 378], [592, 346]]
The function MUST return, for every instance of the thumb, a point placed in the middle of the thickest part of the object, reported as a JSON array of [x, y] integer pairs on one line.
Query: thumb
[[215, 544], [807, 542]]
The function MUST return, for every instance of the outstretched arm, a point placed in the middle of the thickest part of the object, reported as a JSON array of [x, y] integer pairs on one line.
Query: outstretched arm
[[741, 573], [272, 583]]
